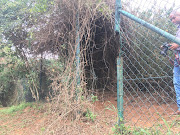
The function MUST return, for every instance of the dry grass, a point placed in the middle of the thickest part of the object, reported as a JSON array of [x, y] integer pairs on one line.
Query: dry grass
[[69, 101]]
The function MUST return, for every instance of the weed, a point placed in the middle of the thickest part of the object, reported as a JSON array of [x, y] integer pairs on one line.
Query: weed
[[168, 126], [12, 109], [94, 98], [111, 107], [90, 115], [141, 131], [120, 129], [43, 129]]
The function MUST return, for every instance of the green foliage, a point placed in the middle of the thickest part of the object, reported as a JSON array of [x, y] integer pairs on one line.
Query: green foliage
[[54, 66], [43, 129], [94, 98], [41, 6], [11, 69], [141, 131], [14, 12], [111, 107], [168, 125], [90, 115], [120, 129], [18, 20], [18, 77], [13, 109]]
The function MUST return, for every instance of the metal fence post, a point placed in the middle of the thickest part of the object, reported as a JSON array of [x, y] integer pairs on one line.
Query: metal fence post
[[77, 56], [117, 16], [120, 89], [119, 65]]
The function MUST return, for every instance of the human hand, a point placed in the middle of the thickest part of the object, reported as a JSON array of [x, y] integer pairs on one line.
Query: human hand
[[174, 46]]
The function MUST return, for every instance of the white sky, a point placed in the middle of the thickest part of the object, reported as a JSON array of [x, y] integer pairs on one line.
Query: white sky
[[155, 4], [177, 2]]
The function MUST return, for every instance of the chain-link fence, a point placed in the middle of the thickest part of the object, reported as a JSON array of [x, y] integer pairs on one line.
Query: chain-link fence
[[149, 95]]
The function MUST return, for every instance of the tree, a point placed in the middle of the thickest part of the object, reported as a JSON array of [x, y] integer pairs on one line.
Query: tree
[[17, 19]]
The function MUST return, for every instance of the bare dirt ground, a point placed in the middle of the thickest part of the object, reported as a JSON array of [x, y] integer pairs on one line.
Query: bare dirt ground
[[37, 121]]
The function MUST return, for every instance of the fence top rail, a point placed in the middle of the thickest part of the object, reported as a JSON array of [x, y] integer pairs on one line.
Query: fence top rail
[[151, 27]]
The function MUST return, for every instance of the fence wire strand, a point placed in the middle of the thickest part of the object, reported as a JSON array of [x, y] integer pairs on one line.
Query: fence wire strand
[[148, 76]]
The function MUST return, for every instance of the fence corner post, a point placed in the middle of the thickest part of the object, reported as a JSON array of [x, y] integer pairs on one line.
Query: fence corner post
[[119, 64]]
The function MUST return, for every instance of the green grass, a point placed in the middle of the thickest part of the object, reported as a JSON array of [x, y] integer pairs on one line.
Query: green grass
[[90, 115], [13, 109], [122, 129]]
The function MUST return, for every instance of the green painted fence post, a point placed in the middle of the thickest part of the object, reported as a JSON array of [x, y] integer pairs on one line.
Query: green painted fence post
[[120, 89], [77, 56], [119, 65], [117, 16]]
